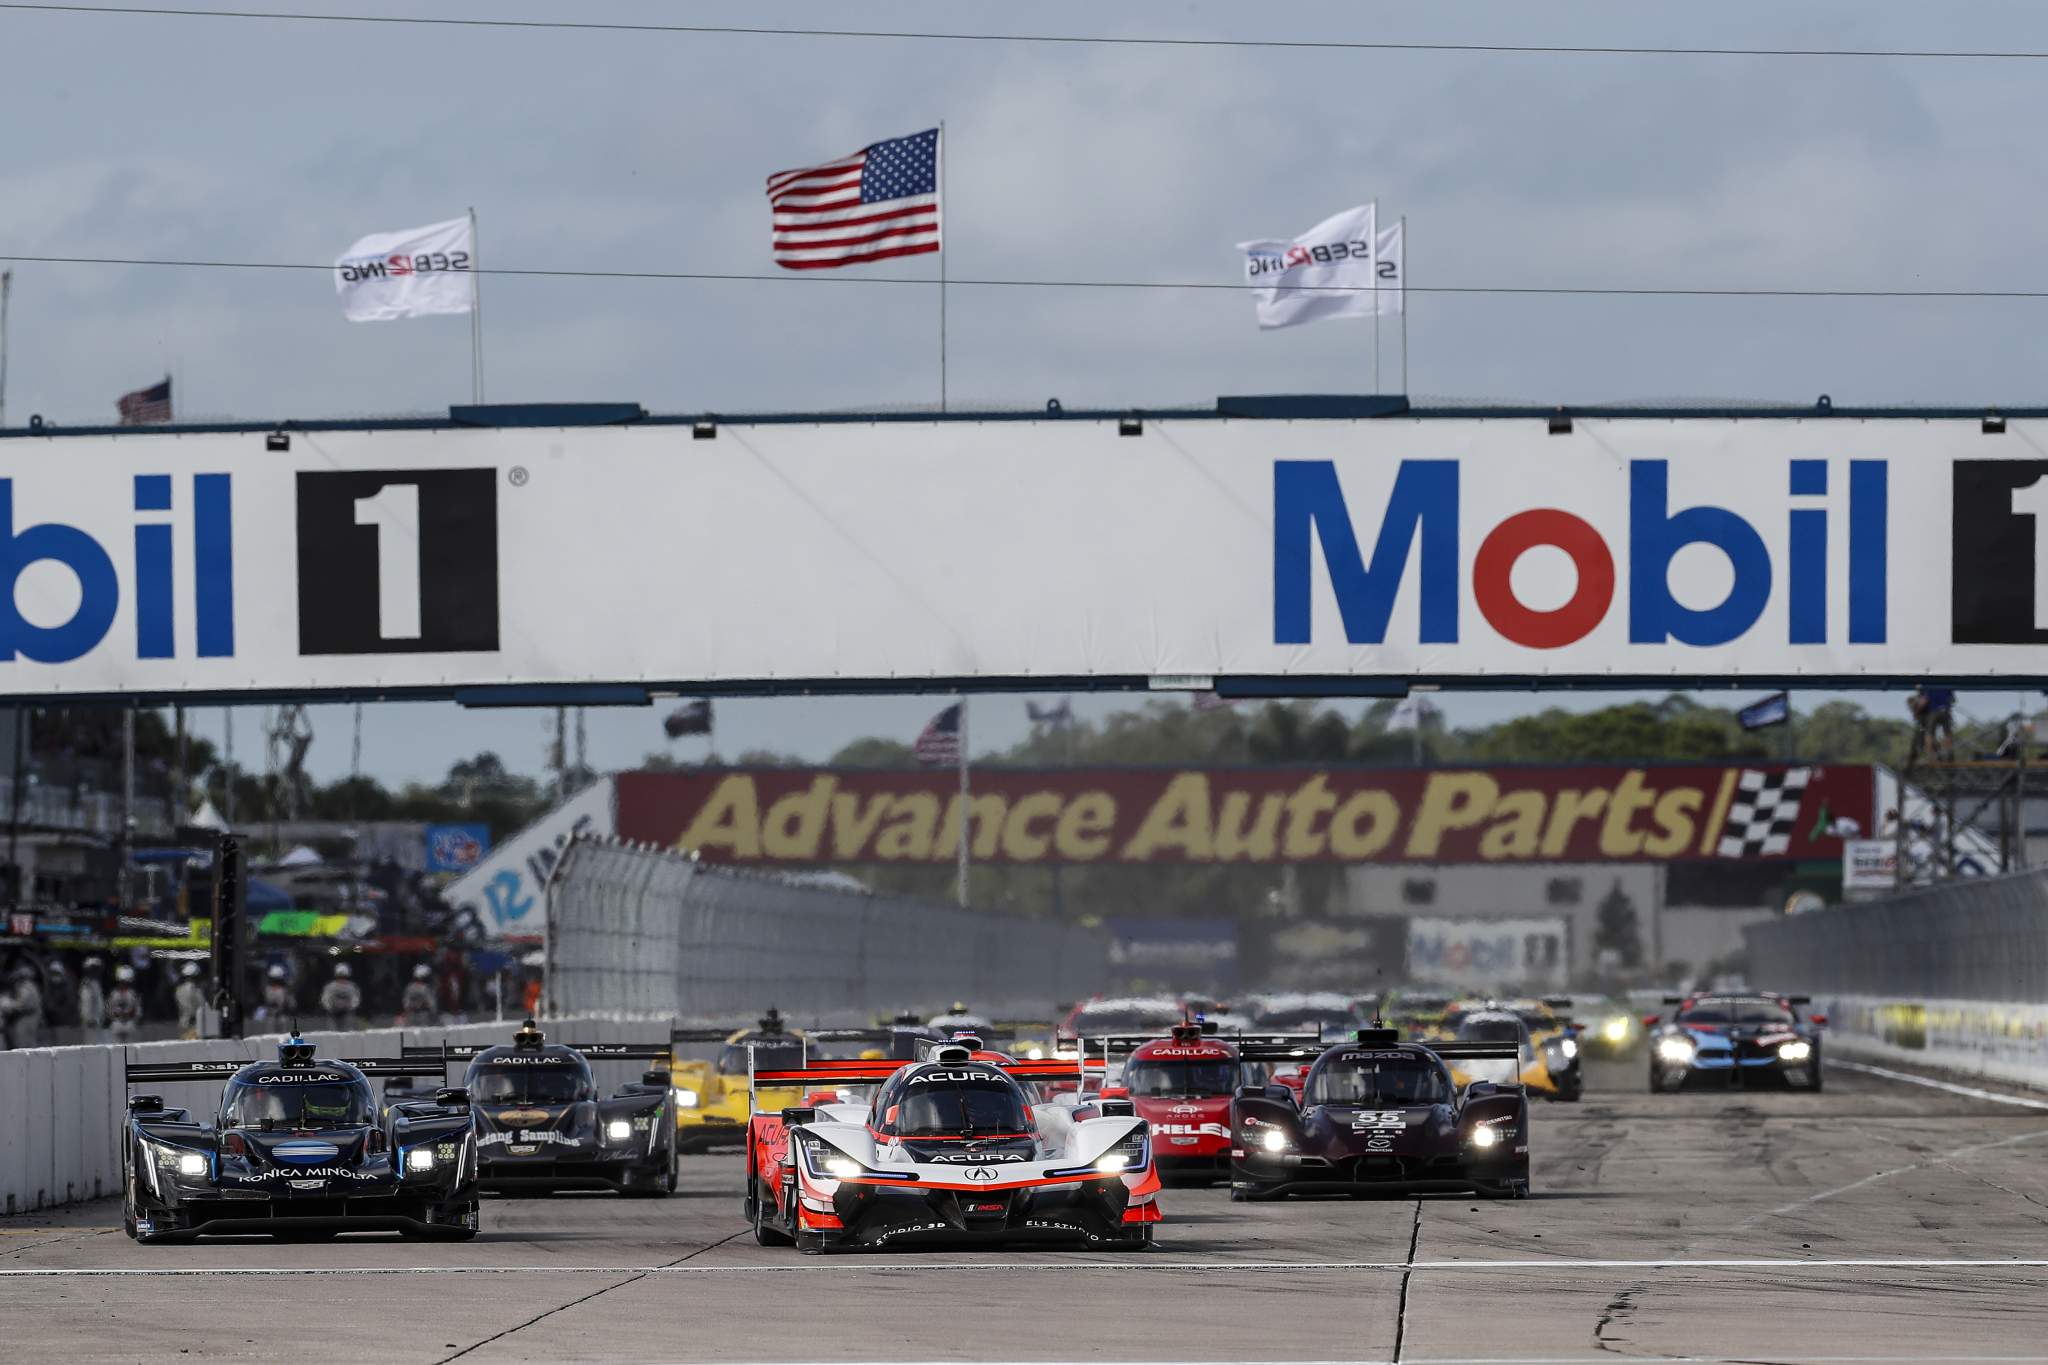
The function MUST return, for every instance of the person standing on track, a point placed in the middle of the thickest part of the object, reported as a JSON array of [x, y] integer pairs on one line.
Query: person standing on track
[[341, 998], [124, 1006]]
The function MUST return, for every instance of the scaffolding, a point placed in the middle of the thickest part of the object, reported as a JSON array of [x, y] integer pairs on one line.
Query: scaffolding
[[1953, 816]]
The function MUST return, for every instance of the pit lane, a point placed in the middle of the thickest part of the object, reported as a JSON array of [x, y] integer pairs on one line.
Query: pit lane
[[1880, 1220]]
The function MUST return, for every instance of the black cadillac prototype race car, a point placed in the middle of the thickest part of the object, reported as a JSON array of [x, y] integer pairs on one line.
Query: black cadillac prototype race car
[[1381, 1116], [1736, 1039], [298, 1149], [541, 1124]]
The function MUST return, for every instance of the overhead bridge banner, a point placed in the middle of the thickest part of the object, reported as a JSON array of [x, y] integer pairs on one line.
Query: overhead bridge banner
[[1590, 813], [889, 554]]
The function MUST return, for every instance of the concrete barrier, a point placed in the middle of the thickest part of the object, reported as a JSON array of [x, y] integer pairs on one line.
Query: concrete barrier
[[61, 1108], [1990, 1039]]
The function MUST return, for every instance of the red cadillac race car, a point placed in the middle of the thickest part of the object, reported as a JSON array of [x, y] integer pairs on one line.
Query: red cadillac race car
[[1181, 1085]]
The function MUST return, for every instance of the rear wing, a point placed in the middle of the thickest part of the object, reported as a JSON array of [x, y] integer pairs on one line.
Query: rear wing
[[1123, 1044], [136, 1072], [1304, 1050], [450, 1053], [1476, 1052]]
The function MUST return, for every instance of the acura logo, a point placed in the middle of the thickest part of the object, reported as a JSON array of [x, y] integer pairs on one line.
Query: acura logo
[[981, 1173]]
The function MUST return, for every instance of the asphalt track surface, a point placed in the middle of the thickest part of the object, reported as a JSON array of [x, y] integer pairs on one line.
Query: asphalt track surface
[[1881, 1220]]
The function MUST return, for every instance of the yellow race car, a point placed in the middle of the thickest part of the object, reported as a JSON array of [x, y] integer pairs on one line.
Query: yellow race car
[[1548, 1066], [711, 1097]]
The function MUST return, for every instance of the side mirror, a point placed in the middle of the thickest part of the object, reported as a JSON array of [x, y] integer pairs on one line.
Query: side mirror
[[1117, 1109], [145, 1104], [452, 1097], [1116, 1092], [1819, 1020], [1280, 1092], [1251, 1092], [799, 1113], [654, 1078], [1480, 1090]]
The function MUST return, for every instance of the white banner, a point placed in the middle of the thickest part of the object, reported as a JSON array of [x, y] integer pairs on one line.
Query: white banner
[[414, 273], [1870, 864], [1490, 954], [1327, 272], [919, 553], [507, 891]]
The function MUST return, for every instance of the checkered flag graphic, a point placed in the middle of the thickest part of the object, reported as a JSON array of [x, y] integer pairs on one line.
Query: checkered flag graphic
[[1763, 814]]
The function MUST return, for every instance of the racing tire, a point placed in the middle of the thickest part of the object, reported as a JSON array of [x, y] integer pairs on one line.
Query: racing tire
[[1141, 1240], [1247, 1194], [1656, 1080], [766, 1233], [811, 1243], [1813, 1076]]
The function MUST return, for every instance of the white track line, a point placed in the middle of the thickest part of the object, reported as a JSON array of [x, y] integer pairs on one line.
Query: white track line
[[1942, 1160], [852, 1265], [1970, 1091]]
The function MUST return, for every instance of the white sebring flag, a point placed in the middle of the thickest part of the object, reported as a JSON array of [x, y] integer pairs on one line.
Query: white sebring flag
[[1327, 272], [1391, 270], [414, 273]]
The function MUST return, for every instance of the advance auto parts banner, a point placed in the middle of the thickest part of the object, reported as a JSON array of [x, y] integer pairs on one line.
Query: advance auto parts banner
[[1250, 815], [894, 554]]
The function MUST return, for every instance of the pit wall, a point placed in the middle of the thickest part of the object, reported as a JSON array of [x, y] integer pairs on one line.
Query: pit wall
[[61, 1107], [1985, 1039]]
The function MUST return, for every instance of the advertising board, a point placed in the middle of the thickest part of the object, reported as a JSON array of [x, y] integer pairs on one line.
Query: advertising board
[[1490, 954], [505, 894], [1579, 813], [892, 554], [1870, 864]]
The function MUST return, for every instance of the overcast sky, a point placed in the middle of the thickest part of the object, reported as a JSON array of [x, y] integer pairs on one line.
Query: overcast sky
[[137, 136]]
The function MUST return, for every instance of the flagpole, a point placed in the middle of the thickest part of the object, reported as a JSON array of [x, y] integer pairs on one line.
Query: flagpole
[[6, 286], [1404, 301], [476, 315], [966, 805], [1375, 296], [942, 310]]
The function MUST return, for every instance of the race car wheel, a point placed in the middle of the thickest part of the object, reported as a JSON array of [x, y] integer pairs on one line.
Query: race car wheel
[[811, 1243], [766, 1233], [1656, 1080], [1244, 1193], [1813, 1076]]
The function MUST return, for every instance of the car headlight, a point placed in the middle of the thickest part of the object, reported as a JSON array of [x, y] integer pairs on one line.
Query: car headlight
[[1484, 1136], [1795, 1051], [841, 1167], [1615, 1030], [686, 1098], [1274, 1140], [1112, 1163], [1569, 1047], [1674, 1049], [420, 1159], [618, 1130], [191, 1164]]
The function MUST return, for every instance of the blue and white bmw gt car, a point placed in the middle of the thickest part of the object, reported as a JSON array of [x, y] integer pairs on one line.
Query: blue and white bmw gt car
[[1735, 1039]]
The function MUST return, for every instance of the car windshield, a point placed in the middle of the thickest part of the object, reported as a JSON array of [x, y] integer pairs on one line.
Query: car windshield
[[527, 1085], [1738, 1012], [1490, 1031], [954, 1107], [1164, 1080], [298, 1105], [778, 1053], [1379, 1080]]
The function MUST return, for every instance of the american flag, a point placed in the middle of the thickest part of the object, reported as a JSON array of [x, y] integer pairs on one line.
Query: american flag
[[145, 406], [939, 745], [882, 201]]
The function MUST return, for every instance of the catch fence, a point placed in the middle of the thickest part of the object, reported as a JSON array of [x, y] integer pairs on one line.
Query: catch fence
[[635, 930]]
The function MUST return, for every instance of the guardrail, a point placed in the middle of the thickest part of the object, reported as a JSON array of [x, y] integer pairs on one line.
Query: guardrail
[[61, 1107], [1992, 1039], [649, 931]]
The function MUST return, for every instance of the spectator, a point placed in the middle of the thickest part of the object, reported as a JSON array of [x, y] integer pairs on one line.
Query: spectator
[[92, 1002], [277, 994], [191, 997], [453, 989], [341, 998], [21, 1008], [416, 1006], [529, 998], [1934, 716], [124, 1006]]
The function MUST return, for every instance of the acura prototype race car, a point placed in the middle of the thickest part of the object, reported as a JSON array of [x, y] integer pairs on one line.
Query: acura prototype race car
[[541, 1125], [1737, 1039], [948, 1150], [1382, 1116], [298, 1150]]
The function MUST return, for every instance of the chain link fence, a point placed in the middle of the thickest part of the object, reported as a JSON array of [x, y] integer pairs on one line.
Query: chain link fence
[[1984, 938], [633, 930]]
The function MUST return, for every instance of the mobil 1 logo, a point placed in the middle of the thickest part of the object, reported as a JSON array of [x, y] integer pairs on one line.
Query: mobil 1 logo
[[1999, 538], [398, 561]]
